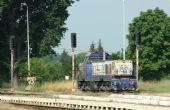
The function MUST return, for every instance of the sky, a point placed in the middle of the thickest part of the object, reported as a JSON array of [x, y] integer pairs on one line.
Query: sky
[[103, 19]]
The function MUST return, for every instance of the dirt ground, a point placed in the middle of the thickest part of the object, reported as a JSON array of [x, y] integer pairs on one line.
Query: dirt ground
[[4, 106]]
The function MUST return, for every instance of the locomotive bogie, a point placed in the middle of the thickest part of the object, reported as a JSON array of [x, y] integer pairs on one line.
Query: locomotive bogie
[[114, 85]]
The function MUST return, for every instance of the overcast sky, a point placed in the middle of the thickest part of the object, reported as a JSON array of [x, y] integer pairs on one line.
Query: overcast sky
[[103, 19]]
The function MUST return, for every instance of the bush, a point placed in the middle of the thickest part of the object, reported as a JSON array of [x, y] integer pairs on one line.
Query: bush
[[45, 69]]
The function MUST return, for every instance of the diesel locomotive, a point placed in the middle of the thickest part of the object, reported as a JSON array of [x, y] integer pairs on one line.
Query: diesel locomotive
[[100, 73]]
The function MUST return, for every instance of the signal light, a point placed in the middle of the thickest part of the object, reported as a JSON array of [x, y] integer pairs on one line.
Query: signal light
[[73, 40], [138, 36], [12, 42]]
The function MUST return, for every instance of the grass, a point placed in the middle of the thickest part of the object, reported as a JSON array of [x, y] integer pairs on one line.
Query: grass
[[145, 86], [67, 87], [59, 86], [155, 86]]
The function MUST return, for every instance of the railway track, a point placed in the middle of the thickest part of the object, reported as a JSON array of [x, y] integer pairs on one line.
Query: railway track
[[113, 102]]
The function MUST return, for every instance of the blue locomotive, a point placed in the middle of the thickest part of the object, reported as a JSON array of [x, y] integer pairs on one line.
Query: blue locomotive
[[99, 73]]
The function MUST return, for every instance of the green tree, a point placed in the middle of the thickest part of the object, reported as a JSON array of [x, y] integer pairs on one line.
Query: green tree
[[79, 58], [154, 54], [1, 6], [116, 56], [47, 27], [100, 47], [47, 24], [92, 47], [44, 68], [66, 63]]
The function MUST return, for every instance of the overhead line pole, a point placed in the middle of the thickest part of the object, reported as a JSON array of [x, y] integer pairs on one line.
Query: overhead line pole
[[137, 64], [28, 42], [123, 8], [28, 38], [12, 68]]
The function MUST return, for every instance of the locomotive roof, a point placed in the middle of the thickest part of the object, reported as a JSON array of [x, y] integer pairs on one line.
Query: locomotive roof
[[98, 55]]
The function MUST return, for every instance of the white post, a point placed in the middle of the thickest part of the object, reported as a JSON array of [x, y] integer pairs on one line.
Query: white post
[[73, 63], [28, 39], [12, 68], [137, 64], [124, 35], [28, 42], [104, 55]]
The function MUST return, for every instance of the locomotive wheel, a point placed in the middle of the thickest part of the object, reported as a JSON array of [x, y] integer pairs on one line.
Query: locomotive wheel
[[93, 86], [102, 88], [82, 86], [87, 86], [107, 86], [79, 84]]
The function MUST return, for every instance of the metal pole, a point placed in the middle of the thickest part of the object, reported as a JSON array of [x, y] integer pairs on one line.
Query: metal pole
[[12, 68], [137, 64], [124, 30], [72, 63], [28, 42]]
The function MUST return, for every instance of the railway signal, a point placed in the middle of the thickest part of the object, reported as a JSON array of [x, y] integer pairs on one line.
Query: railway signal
[[138, 36], [73, 40], [12, 42], [73, 45]]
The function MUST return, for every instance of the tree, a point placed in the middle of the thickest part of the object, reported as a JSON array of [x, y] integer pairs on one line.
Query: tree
[[47, 20], [47, 27], [66, 62], [100, 47], [92, 47], [79, 60], [44, 68], [1, 6], [154, 54], [116, 56]]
